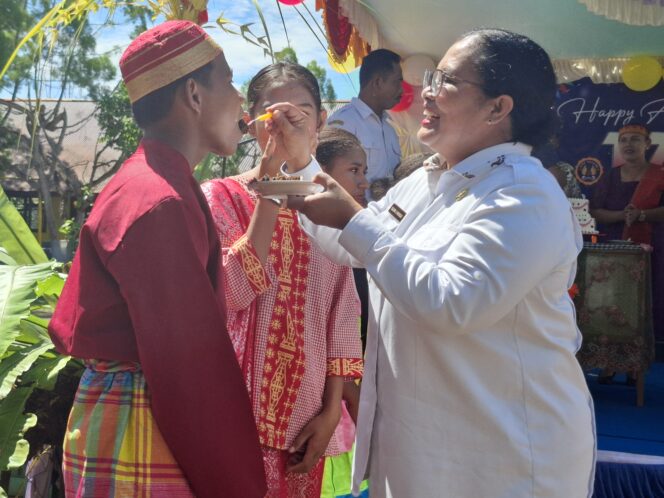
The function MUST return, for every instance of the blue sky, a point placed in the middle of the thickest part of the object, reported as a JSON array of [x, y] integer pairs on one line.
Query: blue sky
[[244, 58]]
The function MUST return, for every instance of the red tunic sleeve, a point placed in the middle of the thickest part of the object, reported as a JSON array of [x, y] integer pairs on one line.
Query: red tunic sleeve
[[198, 398], [344, 348]]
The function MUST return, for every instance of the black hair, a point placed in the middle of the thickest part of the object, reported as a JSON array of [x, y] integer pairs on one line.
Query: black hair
[[156, 105], [512, 64], [408, 165], [281, 72], [333, 143], [378, 62], [379, 187]]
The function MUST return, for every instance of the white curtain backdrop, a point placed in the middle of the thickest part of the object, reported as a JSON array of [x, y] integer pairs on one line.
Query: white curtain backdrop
[[634, 12]]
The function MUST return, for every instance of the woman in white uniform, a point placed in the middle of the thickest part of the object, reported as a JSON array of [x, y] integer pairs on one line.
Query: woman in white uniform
[[471, 386]]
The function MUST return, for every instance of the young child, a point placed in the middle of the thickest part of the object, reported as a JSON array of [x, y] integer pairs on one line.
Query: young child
[[292, 314], [161, 409], [341, 156]]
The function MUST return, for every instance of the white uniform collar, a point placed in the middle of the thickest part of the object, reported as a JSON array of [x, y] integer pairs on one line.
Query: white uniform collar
[[481, 162]]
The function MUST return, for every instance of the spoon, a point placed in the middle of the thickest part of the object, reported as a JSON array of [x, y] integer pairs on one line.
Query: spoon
[[244, 127]]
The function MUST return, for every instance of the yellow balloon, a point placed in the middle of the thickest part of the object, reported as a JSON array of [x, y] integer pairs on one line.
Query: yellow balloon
[[641, 73], [345, 67]]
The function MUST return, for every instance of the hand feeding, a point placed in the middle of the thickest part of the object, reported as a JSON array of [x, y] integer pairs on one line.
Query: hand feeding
[[244, 126]]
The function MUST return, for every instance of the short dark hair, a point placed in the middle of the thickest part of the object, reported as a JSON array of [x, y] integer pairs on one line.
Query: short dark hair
[[378, 62], [333, 143], [156, 105], [512, 64], [281, 72]]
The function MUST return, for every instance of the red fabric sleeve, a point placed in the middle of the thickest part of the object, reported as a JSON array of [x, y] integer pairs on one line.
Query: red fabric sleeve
[[344, 348], [198, 397]]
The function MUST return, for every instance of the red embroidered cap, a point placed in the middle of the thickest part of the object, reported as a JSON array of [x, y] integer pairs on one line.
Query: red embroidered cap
[[163, 54]]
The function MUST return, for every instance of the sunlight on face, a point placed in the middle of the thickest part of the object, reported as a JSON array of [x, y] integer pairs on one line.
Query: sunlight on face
[[350, 172]]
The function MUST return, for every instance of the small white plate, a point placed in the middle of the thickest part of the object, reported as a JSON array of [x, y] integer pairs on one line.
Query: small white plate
[[285, 187]]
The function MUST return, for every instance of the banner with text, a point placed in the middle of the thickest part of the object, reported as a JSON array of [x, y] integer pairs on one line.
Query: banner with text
[[591, 115]]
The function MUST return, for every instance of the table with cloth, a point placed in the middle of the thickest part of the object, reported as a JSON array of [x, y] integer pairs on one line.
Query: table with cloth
[[614, 309]]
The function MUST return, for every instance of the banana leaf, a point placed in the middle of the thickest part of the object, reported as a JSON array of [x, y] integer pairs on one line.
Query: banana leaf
[[17, 293], [16, 362], [44, 372], [16, 237], [33, 331], [13, 424], [6, 259]]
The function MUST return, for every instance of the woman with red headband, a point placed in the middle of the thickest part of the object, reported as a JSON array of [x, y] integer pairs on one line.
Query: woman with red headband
[[628, 204]]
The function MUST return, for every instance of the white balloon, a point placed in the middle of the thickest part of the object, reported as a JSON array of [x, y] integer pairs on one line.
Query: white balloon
[[413, 68]]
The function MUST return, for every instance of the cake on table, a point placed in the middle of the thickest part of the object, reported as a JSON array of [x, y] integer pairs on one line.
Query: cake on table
[[580, 207]]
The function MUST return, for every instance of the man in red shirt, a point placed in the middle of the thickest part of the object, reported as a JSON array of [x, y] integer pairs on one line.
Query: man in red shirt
[[162, 409]]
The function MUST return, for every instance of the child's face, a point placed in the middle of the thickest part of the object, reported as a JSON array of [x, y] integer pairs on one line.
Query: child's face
[[296, 94], [349, 171]]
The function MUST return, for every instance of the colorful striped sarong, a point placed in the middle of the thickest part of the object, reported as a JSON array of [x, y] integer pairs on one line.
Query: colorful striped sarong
[[112, 446]]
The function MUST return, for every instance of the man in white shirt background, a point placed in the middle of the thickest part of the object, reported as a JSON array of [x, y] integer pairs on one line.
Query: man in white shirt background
[[365, 116]]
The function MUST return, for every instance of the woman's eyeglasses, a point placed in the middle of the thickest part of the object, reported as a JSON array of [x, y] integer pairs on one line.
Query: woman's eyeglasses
[[434, 80]]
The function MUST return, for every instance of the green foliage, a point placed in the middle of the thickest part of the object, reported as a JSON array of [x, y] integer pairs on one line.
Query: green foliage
[[327, 92], [214, 166], [15, 235], [13, 425], [14, 21], [119, 130], [286, 55], [71, 227], [28, 362]]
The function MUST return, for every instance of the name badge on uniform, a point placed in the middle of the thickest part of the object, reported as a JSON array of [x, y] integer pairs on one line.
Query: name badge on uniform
[[397, 212]]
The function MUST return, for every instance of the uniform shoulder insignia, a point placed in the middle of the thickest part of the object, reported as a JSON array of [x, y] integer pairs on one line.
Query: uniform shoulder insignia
[[335, 122], [463, 193]]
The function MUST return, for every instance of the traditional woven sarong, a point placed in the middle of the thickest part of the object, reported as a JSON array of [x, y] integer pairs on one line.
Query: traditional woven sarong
[[112, 446], [282, 484]]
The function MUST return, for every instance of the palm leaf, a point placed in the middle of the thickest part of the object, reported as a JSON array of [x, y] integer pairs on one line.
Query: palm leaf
[[267, 31], [37, 29], [16, 237], [17, 362], [13, 424], [17, 292]]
